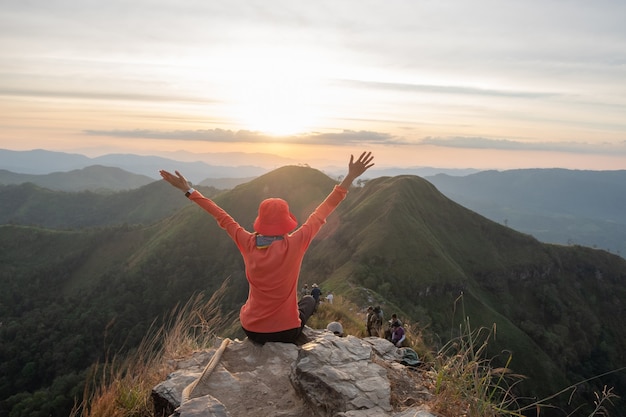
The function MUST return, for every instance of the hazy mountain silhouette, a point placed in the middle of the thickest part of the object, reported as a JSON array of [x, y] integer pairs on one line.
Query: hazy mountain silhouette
[[554, 205], [40, 162], [96, 178], [232, 167]]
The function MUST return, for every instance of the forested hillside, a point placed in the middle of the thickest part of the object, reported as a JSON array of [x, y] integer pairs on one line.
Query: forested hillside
[[69, 297], [29, 204]]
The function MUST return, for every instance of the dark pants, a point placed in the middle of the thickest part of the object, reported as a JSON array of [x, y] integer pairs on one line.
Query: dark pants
[[306, 306]]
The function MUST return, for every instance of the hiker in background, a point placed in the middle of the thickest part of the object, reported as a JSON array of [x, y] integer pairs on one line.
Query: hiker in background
[[273, 254], [394, 319], [376, 322], [368, 320], [329, 297], [305, 290], [398, 335], [316, 293], [336, 328]]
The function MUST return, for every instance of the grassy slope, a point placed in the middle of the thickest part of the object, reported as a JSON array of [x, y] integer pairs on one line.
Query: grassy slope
[[427, 249], [31, 205]]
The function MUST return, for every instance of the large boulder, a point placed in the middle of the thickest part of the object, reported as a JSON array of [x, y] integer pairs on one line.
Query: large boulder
[[336, 374], [328, 376]]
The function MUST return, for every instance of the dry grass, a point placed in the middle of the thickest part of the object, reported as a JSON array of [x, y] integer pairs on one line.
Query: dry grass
[[122, 386], [341, 310], [463, 381], [467, 385]]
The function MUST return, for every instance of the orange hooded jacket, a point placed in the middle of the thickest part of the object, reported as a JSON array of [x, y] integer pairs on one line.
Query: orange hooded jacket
[[272, 272]]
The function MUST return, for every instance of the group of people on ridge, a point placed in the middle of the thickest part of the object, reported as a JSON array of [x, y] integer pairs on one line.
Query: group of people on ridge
[[316, 293], [394, 332]]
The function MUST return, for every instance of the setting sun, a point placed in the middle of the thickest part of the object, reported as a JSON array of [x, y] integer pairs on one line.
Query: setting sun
[[275, 91], [276, 106]]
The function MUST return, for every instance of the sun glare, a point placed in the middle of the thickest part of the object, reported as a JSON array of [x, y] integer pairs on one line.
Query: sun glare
[[276, 108], [276, 94]]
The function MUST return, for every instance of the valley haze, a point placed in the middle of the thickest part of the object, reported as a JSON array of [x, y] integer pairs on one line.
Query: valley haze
[[196, 167], [567, 207]]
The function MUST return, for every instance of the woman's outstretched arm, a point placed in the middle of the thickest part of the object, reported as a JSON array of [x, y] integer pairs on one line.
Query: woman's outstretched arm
[[356, 168], [178, 180]]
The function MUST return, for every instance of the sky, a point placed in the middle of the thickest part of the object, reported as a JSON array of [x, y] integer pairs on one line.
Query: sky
[[457, 84]]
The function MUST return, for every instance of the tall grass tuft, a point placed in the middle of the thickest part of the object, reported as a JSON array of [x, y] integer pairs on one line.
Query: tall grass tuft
[[341, 310], [122, 386], [466, 383], [417, 341]]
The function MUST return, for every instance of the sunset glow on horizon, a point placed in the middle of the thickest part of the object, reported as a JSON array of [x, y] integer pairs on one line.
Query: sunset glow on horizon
[[482, 85]]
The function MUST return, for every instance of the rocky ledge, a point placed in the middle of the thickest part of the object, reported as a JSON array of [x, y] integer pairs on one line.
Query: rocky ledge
[[328, 376]]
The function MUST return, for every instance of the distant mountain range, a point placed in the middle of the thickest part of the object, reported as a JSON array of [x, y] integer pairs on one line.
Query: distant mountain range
[[67, 296], [554, 205], [41, 162], [95, 178]]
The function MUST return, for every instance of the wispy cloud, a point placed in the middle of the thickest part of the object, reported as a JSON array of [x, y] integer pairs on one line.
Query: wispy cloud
[[353, 137], [347, 137], [513, 145], [446, 89], [102, 95]]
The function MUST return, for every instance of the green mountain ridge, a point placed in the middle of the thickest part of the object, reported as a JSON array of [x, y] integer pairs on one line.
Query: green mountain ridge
[[428, 249], [29, 204], [409, 245]]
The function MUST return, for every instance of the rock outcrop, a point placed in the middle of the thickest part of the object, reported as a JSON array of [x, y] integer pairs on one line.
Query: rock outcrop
[[328, 376]]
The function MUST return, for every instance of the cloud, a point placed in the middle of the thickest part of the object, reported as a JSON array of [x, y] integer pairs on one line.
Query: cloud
[[353, 137], [446, 89], [100, 95], [346, 137], [206, 135], [513, 145]]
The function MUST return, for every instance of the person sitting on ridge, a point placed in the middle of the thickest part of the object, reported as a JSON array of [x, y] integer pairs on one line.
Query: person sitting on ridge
[[389, 329], [273, 254], [398, 335]]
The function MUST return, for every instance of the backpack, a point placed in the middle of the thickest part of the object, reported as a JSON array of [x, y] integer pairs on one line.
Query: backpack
[[409, 357]]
